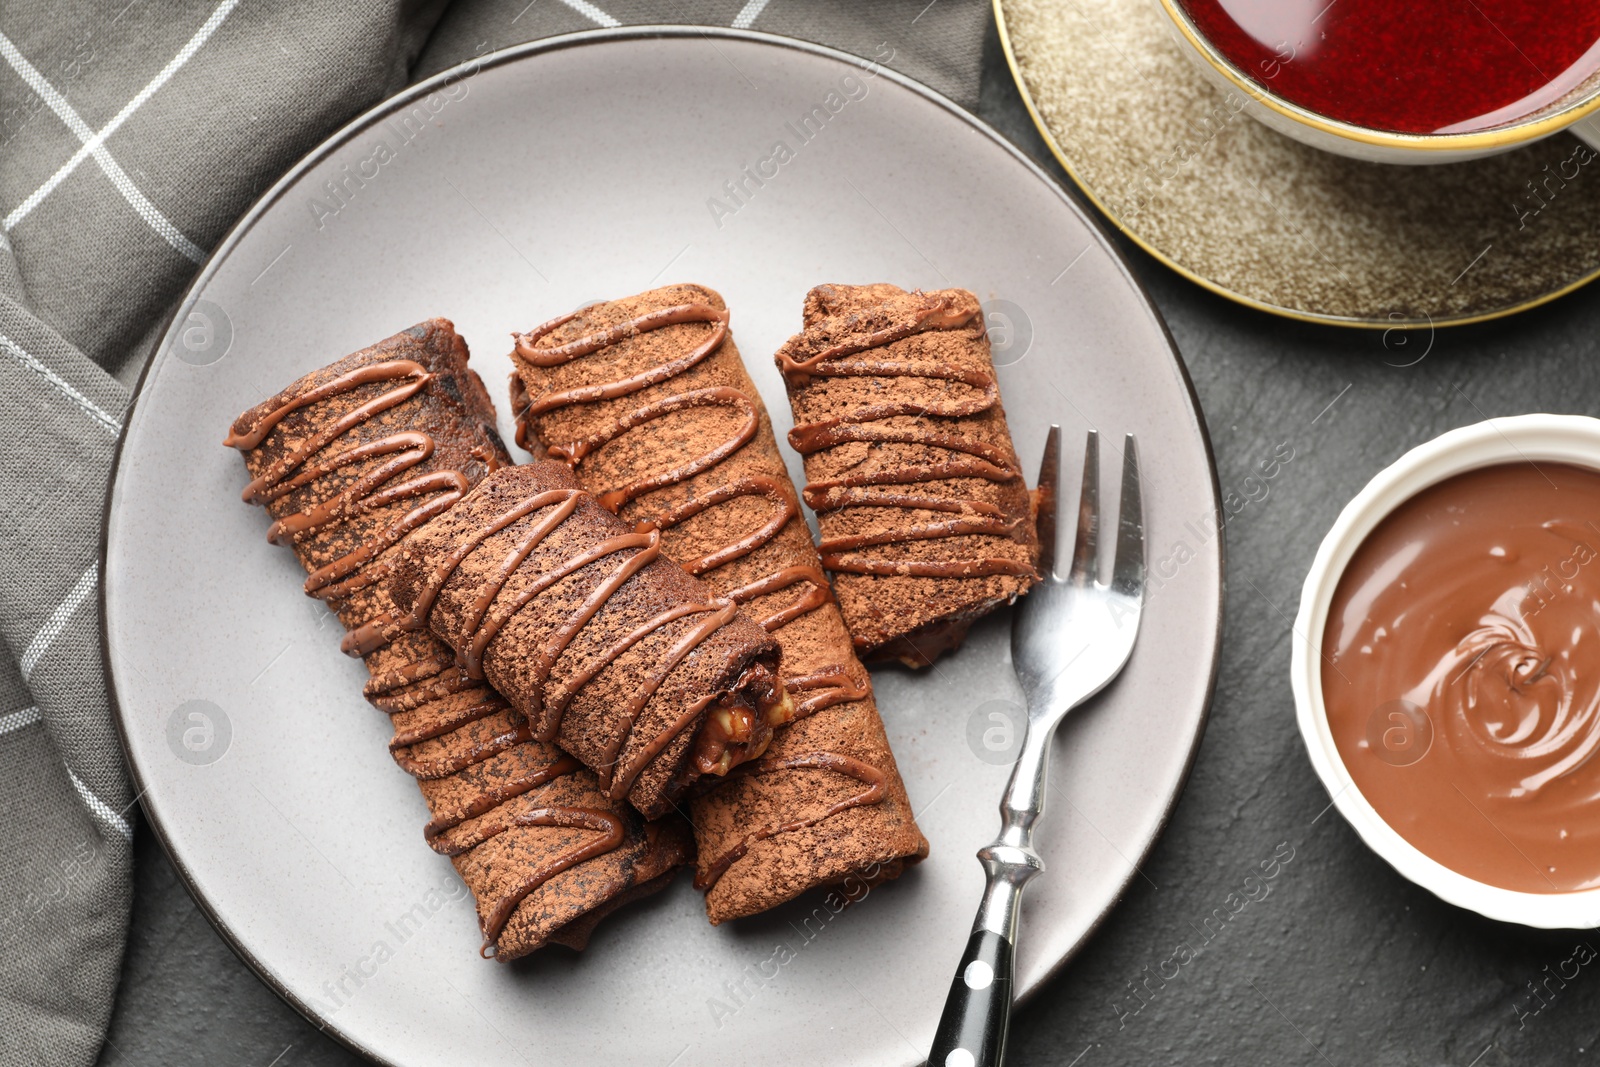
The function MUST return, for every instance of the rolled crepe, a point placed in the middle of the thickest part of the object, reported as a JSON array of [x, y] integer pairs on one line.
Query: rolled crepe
[[648, 402], [607, 646], [347, 460], [926, 522]]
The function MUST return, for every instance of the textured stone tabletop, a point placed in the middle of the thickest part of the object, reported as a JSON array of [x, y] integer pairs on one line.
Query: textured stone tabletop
[[1342, 963]]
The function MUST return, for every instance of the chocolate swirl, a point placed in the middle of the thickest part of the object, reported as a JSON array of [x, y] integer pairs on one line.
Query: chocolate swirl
[[1460, 675], [441, 832], [450, 731], [1506, 695]]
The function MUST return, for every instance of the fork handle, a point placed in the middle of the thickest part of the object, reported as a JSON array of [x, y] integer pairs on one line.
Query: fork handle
[[977, 1013]]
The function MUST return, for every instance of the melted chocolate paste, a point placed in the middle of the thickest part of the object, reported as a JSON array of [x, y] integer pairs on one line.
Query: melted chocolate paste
[[1461, 674]]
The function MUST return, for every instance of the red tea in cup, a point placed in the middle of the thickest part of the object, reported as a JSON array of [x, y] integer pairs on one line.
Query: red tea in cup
[[1409, 66]]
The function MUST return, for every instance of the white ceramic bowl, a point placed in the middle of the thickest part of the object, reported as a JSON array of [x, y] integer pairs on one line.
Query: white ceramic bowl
[[1552, 438]]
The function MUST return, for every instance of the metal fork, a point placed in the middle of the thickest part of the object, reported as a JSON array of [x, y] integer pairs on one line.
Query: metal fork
[[1070, 636]]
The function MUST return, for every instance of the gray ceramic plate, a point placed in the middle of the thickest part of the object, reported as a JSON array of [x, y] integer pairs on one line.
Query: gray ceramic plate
[[555, 174]]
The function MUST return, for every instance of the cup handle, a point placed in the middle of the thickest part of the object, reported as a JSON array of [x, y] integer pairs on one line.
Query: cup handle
[[1587, 130]]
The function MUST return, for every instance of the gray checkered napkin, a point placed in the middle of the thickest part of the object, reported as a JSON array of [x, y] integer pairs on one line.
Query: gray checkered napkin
[[132, 134]]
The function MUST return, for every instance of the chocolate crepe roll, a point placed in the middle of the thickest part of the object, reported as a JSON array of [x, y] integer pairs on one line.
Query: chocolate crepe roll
[[926, 522], [647, 399], [607, 646], [346, 460]]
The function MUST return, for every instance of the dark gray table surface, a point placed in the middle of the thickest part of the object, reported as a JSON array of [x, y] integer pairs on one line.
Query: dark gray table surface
[[1343, 963]]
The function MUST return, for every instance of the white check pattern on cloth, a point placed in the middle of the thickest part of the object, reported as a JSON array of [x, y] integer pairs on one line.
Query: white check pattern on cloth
[[60, 385], [747, 14], [13, 721], [94, 141], [87, 582], [589, 11], [100, 810], [75, 297]]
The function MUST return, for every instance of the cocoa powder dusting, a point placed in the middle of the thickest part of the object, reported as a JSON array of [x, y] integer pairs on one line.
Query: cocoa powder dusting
[[509, 811], [578, 655], [926, 521], [657, 415]]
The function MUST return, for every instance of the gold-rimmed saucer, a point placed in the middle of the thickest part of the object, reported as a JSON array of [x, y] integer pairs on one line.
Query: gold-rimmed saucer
[[1276, 225]]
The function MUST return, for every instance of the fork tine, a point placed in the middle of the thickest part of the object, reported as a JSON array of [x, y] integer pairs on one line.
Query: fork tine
[[1085, 553], [1049, 493], [1127, 573]]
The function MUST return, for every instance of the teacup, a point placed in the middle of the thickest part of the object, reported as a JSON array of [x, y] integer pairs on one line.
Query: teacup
[[1251, 47]]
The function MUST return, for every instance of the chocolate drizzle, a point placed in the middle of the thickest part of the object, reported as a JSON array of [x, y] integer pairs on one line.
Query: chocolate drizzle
[[786, 507], [408, 449], [968, 458], [431, 685], [831, 685], [488, 615], [825, 688], [864, 773]]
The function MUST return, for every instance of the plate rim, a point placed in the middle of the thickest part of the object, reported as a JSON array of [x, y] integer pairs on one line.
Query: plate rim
[[1348, 322], [519, 53]]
